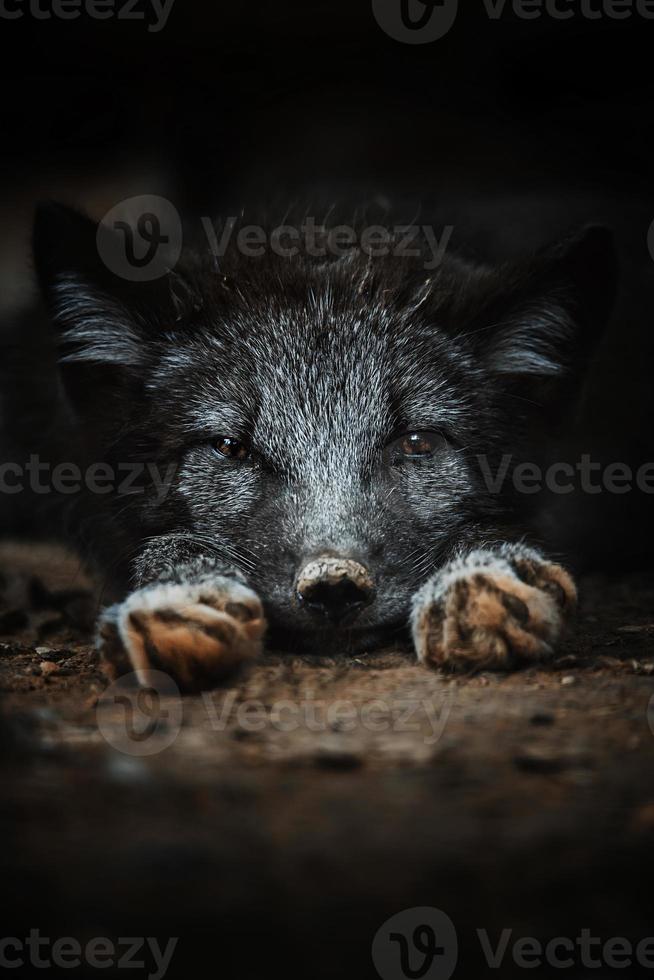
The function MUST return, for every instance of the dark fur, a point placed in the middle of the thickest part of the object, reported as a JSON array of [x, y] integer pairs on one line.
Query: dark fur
[[320, 364]]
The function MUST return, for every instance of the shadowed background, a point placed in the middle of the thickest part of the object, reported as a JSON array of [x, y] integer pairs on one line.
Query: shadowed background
[[537, 812]]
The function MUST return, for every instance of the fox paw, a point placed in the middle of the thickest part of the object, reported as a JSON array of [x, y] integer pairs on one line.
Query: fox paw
[[492, 611], [198, 634]]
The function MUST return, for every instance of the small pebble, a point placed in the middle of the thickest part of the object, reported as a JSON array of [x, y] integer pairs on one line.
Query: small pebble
[[47, 653], [542, 718], [538, 762], [337, 759], [245, 735], [548, 763], [125, 769], [568, 680]]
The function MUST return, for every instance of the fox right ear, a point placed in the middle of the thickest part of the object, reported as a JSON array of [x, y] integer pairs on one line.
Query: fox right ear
[[553, 310]]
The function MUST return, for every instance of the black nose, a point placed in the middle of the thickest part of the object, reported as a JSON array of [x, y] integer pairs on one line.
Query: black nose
[[336, 588]]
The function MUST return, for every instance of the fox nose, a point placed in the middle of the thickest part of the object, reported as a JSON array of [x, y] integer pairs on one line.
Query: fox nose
[[335, 588]]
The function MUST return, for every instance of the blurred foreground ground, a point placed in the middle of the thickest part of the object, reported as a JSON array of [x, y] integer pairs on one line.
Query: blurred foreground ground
[[295, 811]]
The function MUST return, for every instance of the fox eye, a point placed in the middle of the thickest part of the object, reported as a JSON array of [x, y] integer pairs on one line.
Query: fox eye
[[231, 448], [416, 445]]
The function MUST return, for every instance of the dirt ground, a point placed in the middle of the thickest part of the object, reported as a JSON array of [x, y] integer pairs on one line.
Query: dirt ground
[[281, 820]]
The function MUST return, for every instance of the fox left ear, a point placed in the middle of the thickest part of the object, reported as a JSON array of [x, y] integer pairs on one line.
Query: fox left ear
[[552, 311], [102, 322], [94, 311]]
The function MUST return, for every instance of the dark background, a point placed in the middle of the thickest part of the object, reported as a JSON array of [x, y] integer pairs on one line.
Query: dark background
[[511, 130], [228, 93]]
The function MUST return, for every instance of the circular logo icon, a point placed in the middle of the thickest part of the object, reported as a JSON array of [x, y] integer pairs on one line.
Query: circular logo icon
[[416, 943], [650, 239], [140, 239], [140, 719], [650, 714], [415, 21]]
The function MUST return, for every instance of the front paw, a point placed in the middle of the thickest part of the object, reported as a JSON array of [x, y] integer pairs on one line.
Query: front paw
[[198, 634], [492, 611]]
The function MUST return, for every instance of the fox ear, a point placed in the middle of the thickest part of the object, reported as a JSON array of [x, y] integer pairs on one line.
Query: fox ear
[[95, 311], [548, 320], [64, 243]]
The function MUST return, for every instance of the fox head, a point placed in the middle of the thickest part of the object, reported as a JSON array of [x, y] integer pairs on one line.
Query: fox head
[[324, 418]]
